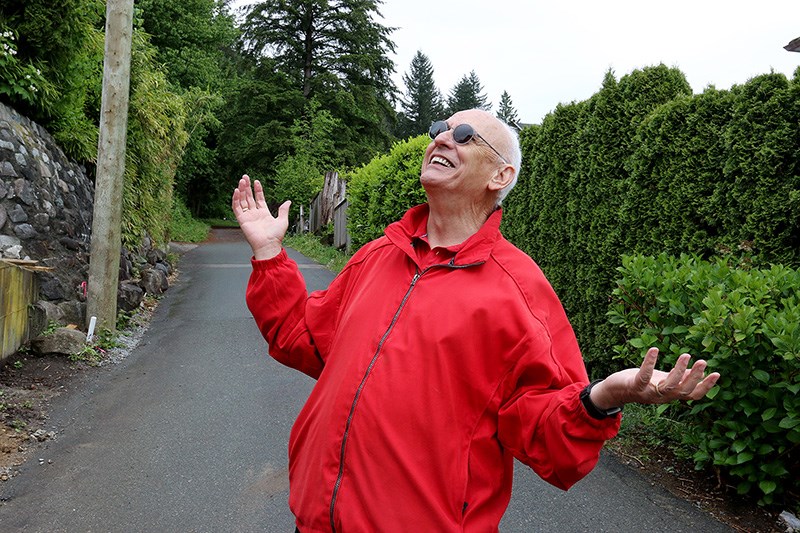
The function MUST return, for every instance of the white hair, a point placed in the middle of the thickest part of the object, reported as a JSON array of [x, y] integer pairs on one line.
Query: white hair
[[515, 160]]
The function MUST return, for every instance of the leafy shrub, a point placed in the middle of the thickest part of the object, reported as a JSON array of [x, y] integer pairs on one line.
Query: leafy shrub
[[746, 324], [63, 41], [183, 227], [156, 138], [383, 189], [22, 79]]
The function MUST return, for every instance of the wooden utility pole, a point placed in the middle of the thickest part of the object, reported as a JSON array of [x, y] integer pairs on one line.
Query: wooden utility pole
[[106, 223]]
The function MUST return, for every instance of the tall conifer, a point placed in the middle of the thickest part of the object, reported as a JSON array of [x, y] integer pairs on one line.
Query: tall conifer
[[337, 52], [423, 102], [468, 94], [506, 111]]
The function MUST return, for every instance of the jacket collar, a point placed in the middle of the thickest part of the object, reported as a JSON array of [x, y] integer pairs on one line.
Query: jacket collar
[[475, 249]]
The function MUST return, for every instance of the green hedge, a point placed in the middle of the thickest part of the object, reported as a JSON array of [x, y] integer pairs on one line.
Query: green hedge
[[568, 218], [746, 323], [383, 189]]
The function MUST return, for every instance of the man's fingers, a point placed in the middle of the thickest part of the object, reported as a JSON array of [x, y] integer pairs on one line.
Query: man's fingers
[[645, 373], [261, 202], [704, 386], [692, 379], [676, 375]]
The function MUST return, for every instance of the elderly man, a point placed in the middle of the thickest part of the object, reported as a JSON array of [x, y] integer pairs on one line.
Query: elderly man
[[441, 353]]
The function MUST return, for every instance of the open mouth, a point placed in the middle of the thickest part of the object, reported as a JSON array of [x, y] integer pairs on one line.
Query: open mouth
[[439, 160]]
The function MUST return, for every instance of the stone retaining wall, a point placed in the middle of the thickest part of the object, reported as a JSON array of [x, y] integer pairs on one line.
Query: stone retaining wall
[[46, 204]]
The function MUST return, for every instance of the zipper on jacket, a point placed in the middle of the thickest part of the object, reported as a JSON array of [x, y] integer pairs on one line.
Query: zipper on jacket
[[360, 388]]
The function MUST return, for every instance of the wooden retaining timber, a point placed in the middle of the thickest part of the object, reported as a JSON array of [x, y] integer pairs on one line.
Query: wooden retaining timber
[[19, 290]]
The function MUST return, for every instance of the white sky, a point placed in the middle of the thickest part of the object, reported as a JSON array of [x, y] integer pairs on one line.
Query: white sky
[[544, 52]]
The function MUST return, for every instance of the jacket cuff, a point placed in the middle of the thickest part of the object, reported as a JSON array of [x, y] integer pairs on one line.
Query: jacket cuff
[[262, 265], [604, 429]]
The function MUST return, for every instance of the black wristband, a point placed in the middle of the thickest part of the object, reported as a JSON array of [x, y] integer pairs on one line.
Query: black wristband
[[591, 408]]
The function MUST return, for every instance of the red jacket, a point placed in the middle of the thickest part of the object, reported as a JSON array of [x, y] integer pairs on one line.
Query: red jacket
[[431, 379]]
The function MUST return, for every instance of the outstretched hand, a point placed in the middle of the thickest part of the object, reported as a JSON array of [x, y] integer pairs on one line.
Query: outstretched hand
[[263, 232], [647, 385]]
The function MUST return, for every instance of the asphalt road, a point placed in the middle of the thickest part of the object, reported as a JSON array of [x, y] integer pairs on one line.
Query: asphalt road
[[189, 434]]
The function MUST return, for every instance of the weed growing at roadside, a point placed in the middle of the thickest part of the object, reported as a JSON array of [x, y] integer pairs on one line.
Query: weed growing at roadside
[[93, 353], [310, 246]]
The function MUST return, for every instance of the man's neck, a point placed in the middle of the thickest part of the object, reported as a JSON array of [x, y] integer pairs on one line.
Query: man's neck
[[449, 225]]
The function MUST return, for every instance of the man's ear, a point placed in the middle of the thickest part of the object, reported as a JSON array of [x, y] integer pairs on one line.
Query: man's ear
[[501, 178]]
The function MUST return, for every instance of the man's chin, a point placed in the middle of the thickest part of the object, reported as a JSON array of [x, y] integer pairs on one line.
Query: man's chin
[[436, 177]]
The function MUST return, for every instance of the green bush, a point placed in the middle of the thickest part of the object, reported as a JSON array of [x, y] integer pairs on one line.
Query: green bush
[[60, 46], [676, 187], [383, 189], [63, 42], [763, 169], [746, 324], [22, 79], [156, 138], [183, 227]]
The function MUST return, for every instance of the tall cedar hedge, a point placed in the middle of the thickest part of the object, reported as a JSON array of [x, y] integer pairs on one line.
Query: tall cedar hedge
[[645, 167]]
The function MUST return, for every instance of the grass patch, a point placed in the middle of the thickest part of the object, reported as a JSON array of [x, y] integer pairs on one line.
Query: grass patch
[[183, 227], [311, 247], [645, 427]]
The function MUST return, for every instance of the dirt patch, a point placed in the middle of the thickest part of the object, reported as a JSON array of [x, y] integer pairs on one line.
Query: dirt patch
[[225, 235], [27, 386], [706, 491], [29, 383]]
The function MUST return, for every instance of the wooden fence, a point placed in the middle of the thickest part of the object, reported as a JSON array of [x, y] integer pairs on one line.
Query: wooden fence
[[341, 237], [330, 205]]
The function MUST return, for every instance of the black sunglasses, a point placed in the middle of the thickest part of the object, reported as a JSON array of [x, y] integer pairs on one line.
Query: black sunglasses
[[462, 134]]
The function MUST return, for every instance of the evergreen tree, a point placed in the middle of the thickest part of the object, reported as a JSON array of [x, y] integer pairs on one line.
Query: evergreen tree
[[190, 36], [300, 175], [423, 102], [506, 112], [467, 94], [334, 51], [261, 105]]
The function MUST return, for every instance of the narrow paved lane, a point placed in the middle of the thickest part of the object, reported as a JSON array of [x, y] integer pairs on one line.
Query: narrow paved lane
[[189, 433]]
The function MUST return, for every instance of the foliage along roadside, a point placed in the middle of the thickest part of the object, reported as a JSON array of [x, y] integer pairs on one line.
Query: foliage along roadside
[[746, 323], [311, 247], [644, 166], [64, 41], [383, 189]]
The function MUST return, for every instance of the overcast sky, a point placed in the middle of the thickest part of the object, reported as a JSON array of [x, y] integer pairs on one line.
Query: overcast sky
[[544, 52]]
